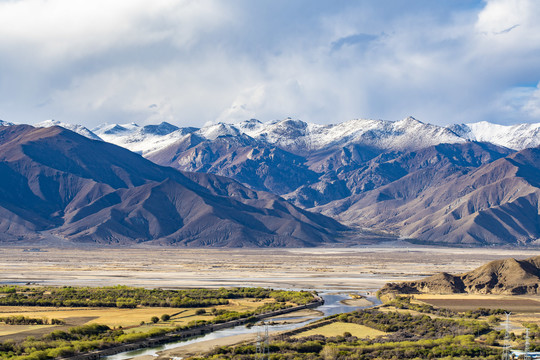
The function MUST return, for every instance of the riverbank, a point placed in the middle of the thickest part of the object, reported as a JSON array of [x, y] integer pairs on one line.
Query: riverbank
[[360, 302], [207, 345], [200, 347], [179, 335]]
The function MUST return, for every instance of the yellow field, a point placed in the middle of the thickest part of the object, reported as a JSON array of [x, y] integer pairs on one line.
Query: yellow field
[[405, 311], [338, 328], [115, 317], [15, 329]]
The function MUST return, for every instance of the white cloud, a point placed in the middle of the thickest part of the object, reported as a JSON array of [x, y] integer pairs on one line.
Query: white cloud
[[509, 25], [521, 103], [59, 30], [207, 60]]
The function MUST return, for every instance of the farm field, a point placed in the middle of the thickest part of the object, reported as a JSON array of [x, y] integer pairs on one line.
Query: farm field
[[459, 302], [114, 317], [338, 328], [124, 315], [7, 330]]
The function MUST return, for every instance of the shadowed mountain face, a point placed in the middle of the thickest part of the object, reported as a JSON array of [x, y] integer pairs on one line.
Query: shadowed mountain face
[[463, 193], [509, 276], [56, 180], [251, 162], [496, 203]]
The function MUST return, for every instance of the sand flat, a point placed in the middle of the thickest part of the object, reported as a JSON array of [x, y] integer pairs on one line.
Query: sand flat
[[320, 268]]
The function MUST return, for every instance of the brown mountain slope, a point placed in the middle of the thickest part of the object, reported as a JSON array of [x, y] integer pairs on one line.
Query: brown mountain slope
[[56, 180], [496, 203], [248, 161], [508, 276]]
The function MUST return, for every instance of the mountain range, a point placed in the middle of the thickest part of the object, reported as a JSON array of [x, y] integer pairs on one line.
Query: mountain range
[[469, 184], [56, 181]]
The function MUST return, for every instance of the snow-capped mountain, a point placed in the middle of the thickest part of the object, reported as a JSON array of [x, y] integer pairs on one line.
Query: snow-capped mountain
[[212, 132], [447, 184], [79, 129], [516, 137], [296, 136], [300, 136], [141, 139], [5, 123]]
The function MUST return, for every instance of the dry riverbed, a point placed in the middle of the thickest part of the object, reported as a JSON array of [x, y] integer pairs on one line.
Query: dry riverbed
[[362, 268]]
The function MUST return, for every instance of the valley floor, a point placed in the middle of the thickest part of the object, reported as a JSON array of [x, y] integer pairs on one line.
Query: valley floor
[[361, 268], [364, 269]]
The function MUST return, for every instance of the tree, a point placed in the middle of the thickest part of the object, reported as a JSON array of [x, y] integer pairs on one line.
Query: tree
[[330, 352], [165, 317], [154, 319]]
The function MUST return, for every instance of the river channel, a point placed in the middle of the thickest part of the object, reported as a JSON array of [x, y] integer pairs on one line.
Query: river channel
[[333, 304]]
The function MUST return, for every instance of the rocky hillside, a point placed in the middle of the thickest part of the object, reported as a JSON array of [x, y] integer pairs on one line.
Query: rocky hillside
[[509, 276], [424, 182], [85, 190], [496, 203]]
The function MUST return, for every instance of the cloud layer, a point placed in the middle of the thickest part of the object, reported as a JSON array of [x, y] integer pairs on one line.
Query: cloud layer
[[190, 62]]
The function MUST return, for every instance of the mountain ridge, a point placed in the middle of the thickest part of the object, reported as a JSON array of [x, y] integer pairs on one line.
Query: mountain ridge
[[418, 181], [507, 276], [91, 191]]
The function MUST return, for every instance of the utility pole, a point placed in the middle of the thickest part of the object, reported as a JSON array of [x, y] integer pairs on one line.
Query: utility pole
[[506, 346], [262, 346], [526, 355]]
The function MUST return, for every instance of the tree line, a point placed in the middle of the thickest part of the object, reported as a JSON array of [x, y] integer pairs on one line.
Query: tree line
[[129, 297], [24, 320]]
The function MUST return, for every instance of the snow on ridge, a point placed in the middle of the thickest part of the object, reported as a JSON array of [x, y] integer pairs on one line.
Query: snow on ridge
[[516, 137], [110, 129], [142, 139], [79, 129], [249, 126], [5, 123], [214, 131], [297, 135]]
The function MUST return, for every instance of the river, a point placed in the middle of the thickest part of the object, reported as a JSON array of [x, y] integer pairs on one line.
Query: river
[[332, 305]]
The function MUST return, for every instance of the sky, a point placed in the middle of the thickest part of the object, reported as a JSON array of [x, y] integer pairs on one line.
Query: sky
[[196, 62]]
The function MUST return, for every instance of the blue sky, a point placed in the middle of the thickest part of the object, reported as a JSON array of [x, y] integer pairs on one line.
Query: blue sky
[[194, 62]]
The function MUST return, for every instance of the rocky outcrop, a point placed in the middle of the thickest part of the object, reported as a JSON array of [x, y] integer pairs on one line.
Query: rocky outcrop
[[508, 276]]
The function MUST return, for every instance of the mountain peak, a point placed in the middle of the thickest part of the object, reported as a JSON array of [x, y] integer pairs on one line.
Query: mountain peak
[[214, 131], [162, 129], [79, 129], [412, 119]]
